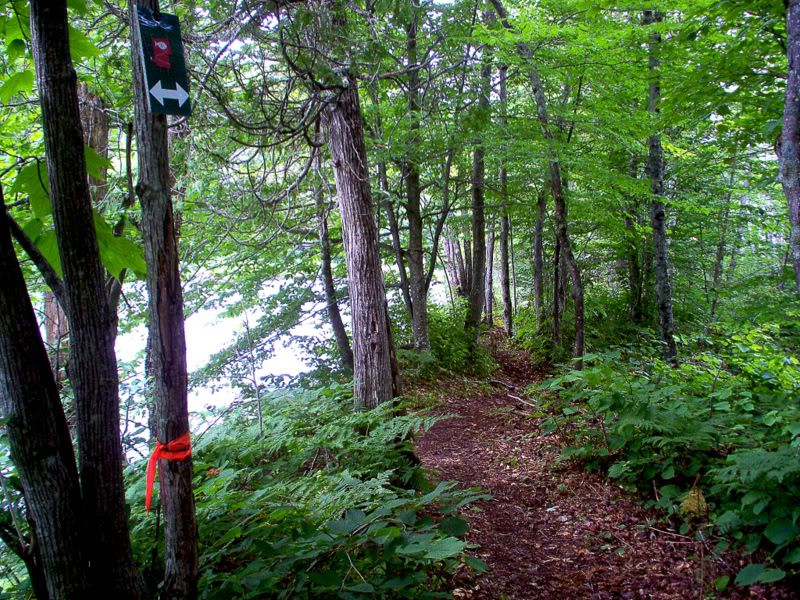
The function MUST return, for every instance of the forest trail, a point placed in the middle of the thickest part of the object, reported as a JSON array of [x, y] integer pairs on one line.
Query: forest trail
[[552, 529]]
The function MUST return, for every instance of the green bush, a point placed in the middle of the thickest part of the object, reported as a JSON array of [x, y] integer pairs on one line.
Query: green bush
[[318, 507], [453, 350], [723, 427]]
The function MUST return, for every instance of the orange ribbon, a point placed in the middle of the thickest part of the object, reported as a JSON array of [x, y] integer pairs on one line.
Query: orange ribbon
[[178, 449]]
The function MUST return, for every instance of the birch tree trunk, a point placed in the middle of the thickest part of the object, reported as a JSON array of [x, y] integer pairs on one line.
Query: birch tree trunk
[[505, 278], [166, 330]]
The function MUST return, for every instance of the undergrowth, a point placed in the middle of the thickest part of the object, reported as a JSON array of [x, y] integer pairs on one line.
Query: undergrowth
[[714, 442], [319, 506], [454, 351]]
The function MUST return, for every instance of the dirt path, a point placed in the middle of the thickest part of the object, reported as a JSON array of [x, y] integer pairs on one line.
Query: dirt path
[[554, 531]]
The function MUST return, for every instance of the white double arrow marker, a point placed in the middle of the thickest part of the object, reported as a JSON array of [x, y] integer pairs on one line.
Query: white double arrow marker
[[161, 94]]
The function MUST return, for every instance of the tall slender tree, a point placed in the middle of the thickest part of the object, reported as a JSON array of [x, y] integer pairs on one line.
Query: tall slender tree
[[658, 213], [374, 377], [789, 146], [166, 333], [92, 323]]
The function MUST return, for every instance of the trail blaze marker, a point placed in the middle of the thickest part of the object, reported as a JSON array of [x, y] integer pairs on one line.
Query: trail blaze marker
[[163, 63]]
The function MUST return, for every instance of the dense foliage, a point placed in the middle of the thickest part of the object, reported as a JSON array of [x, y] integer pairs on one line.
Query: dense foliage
[[715, 442], [624, 162]]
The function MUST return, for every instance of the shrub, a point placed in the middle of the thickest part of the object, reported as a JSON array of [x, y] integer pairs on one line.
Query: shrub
[[318, 507], [724, 427]]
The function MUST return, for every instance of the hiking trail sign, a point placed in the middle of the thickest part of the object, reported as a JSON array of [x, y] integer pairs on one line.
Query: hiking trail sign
[[163, 63]]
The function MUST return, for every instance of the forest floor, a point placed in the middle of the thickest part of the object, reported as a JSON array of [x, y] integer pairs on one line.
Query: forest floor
[[553, 530]]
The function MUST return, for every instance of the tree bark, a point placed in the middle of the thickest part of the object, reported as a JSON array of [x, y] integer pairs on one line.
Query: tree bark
[[719, 258], [94, 122], [505, 276], [334, 315], [38, 435], [166, 330], [92, 364], [658, 217], [372, 352], [538, 260], [489, 286], [789, 147], [477, 279], [635, 281], [556, 185], [416, 268], [556, 308]]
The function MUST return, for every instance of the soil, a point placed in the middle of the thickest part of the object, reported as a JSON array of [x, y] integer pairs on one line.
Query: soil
[[552, 529]]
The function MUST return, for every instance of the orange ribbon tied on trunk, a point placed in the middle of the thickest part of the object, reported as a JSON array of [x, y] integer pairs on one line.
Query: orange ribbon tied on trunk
[[178, 449]]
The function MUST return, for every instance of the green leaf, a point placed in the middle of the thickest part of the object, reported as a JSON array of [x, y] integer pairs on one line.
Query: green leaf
[[32, 180], [33, 229], [364, 587], [118, 253], [758, 573], [721, 583], [780, 531], [17, 83], [793, 557], [96, 165], [446, 548], [476, 564], [80, 46], [15, 49], [668, 473], [78, 6], [749, 574], [454, 526], [48, 246]]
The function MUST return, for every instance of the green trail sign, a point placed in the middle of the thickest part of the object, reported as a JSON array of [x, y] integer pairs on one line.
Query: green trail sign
[[163, 63]]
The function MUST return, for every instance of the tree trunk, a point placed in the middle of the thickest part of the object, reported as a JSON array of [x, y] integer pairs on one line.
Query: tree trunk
[[334, 315], [94, 121], [489, 287], [394, 231], [578, 346], [538, 260], [467, 276], [789, 147], [556, 308], [476, 292], [556, 185], [38, 434], [166, 330], [716, 277], [92, 364], [372, 368], [451, 265], [505, 281], [416, 268], [505, 276], [635, 283], [658, 217]]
